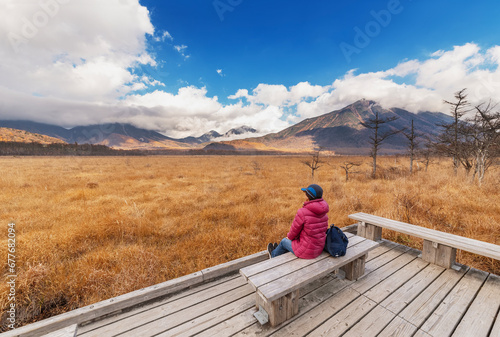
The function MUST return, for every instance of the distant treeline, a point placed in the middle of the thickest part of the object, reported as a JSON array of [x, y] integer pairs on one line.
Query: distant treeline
[[213, 152], [58, 149], [61, 149]]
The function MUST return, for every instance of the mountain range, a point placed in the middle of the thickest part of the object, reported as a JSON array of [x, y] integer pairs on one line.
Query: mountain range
[[339, 131], [120, 136]]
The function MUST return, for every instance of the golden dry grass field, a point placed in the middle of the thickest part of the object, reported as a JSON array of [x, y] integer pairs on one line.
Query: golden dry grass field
[[88, 229]]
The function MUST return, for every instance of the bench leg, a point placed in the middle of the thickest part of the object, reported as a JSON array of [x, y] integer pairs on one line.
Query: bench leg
[[439, 254], [279, 310], [355, 269], [369, 231]]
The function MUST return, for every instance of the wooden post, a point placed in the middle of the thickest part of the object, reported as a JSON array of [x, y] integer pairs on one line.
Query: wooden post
[[355, 269], [280, 310], [369, 231], [292, 304], [439, 254]]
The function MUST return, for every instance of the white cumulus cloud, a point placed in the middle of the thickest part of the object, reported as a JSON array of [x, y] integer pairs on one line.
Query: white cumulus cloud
[[80, 50], [417, 85], [72, 63]]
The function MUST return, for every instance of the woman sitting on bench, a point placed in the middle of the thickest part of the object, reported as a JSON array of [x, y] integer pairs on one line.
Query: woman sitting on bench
[[306, 238]]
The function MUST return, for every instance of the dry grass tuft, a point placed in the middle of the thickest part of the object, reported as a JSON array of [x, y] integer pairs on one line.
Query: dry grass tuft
[[86, 233], [92, 185]]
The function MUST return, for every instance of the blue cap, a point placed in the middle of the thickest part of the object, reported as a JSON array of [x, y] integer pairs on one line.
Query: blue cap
[[313, 191]]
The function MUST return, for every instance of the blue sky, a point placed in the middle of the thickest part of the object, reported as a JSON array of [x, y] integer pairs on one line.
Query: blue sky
[[186, 67], [286, 42]]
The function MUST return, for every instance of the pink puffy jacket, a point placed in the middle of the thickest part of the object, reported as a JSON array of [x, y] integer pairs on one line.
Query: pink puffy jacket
[[308, 230]]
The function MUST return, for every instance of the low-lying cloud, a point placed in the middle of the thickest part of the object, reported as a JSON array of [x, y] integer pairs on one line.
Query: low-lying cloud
[[58, 68]]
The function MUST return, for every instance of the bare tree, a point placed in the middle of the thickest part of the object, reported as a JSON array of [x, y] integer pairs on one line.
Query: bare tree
[[424, 153], [460, 150], [256, 167], [377, 138], [314, 162], [485, 134], [347, 168], [412, 144], [458, 109]]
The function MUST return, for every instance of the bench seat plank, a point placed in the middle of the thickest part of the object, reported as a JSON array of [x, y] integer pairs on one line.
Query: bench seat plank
[[282, 270], [314, 271], [455, 241], [274, 263], [270, 264]]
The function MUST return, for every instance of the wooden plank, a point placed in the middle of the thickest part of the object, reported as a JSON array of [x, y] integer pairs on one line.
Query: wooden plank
[[211, 318], [421, 333], [232, 266], [294, 265], [314, 293], [106, 307], [232, 288], [309, 301], [384, 247], [361, 229], [284, 269], [232, 325], [367, 282], [268, 271], [467, 244], [495, 332], [164, 323], [292, 304], [383, 259], [319, 283], [83, 328], [385, 288], [445, 318], [355, 269], [439, 254], [314, 308], [481, 315], [69, 331], [418, 310], [307, 321], [398, 300], [266, 265], [369, 231], [371, 324], [299, 278], [343, 320], [275, 315], [398, 327]]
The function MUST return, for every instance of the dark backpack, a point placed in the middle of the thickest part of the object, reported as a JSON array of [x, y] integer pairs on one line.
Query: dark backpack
[[336, 241]]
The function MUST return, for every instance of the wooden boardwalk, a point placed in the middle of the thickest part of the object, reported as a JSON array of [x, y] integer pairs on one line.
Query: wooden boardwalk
[[399, 295]]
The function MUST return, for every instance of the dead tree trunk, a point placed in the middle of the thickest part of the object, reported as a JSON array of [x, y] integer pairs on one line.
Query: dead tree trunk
[[412, 144], [378, 138], [313, 164], [347, 168], [458, 109]]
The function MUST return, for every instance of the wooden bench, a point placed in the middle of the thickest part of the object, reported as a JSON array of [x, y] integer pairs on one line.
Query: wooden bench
[[439, 248], [277, 281]]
